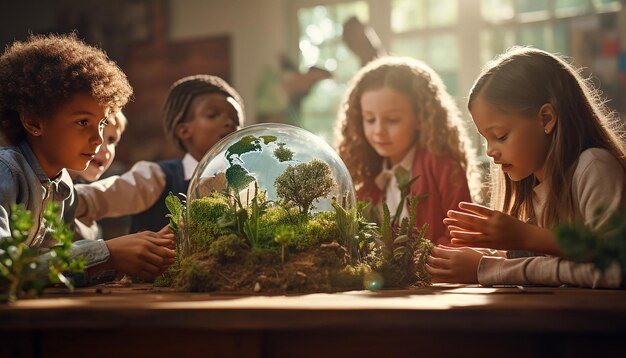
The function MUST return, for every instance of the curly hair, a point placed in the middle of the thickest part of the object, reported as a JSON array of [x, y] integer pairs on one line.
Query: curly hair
[[39, 75], [442, 130]]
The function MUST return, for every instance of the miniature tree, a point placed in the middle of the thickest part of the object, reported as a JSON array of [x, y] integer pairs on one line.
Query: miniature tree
[[304, 183]]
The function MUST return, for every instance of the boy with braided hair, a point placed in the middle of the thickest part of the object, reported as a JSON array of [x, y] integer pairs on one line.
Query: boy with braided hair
[[199, 111]]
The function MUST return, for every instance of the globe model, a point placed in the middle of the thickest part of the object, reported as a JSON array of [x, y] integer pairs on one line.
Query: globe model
[[259, 154], [271, 208], [279, 166]]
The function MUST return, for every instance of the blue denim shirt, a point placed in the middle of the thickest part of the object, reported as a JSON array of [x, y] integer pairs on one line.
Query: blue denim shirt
[[23, 181]]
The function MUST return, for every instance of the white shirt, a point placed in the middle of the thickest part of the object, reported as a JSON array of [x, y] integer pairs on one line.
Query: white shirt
[[386, 182], [189, 166]]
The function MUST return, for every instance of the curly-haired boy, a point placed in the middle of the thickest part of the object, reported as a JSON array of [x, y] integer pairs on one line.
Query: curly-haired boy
[[56, 93]]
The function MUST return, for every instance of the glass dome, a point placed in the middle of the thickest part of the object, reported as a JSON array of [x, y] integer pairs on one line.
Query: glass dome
[[286, 165]]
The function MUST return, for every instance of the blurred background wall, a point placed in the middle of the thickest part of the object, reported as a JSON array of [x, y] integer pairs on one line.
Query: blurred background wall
[[279, 54]]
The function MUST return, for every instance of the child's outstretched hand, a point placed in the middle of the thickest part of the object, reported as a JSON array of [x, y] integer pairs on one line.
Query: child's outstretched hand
[[479, 226], [145, 254], [453, 264]]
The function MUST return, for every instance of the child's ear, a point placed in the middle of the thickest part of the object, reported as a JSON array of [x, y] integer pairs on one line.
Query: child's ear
[[31, 124], [548, 117], [183, 131]]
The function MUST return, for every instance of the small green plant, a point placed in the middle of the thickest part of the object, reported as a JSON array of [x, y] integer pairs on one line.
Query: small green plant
[[235, 217], [24, 272], [284, 235], [176, 208], [367, 231], [403, 247], [601, 247], [404, 184], [257, 208], [347, 225]]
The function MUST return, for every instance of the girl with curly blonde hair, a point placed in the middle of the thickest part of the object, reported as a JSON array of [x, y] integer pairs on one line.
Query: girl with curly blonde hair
[[397, 117]]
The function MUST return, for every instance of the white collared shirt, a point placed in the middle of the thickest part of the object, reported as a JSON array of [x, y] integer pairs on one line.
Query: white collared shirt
[[386, 182], [189, 165]]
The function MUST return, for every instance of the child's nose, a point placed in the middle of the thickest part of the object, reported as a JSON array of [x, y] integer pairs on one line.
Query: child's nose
[[230, 123], [376, 126], [492, 152], [97, 138]]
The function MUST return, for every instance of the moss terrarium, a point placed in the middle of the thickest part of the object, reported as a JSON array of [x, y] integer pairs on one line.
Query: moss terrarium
[[271, 208]]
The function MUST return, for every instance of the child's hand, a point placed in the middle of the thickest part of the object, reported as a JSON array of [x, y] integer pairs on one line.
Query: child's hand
[[145, 254], [167, 233], [479, 226], [451, 264]]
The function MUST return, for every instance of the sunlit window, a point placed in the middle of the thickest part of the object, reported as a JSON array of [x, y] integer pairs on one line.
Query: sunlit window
[[496, 11], [453, 36], [408, 15], [321, 45], [427, 31], [571, 7]]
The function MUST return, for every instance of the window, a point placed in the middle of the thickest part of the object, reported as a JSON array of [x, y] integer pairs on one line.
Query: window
[[320, 45], [427, 30], [455, 46]]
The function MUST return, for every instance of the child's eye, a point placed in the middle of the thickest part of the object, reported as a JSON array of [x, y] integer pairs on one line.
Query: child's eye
[[369, 120], [82, 122], [214, 115], [502, 138]]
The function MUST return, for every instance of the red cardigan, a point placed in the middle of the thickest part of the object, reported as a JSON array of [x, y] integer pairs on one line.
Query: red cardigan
[[445, 192]]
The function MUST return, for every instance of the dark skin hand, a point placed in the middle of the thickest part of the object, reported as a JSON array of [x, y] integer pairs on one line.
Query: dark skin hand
[[145, 254]]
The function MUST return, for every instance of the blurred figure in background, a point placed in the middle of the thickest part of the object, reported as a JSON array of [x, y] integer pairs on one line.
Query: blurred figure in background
[[362, 40]]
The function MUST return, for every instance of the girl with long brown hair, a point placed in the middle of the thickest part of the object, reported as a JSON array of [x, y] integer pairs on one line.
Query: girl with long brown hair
[[558, 158]]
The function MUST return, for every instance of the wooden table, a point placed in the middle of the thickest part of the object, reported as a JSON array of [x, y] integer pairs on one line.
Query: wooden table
[[141, 321]]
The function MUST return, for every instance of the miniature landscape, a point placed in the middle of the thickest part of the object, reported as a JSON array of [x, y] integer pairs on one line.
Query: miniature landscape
[[272, 209], [283, 221]]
